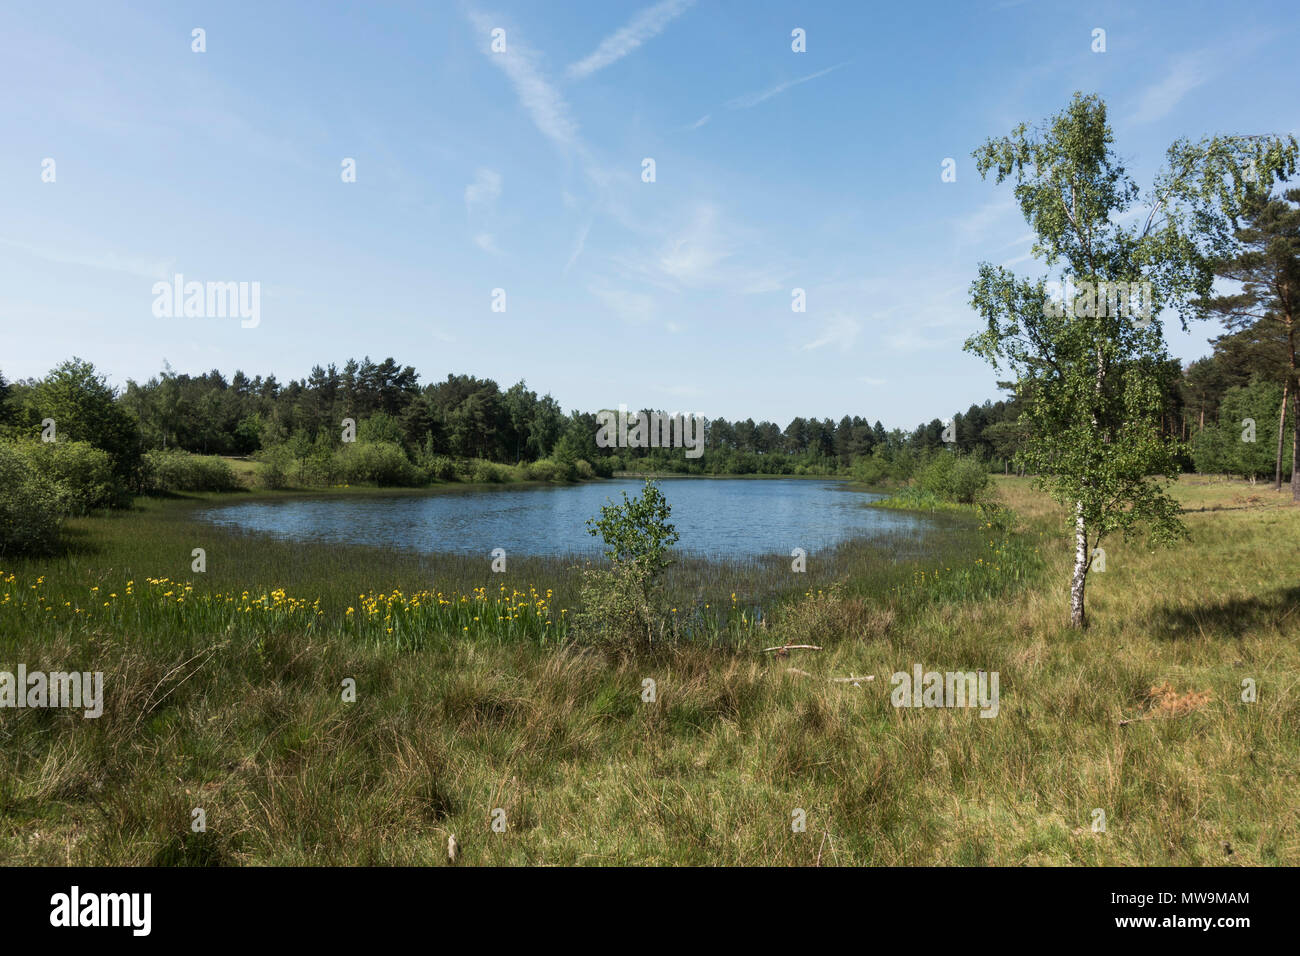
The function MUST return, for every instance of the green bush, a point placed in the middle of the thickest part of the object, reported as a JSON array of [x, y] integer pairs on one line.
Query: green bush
[[437, 468], [874, 469], [381, 463], [83, 475], [948, 477], [549, 469], [277, 465], [969, 480], [617, 607], [542, 470], [478, 470], [317, 468], [622, 604], [176, 470], [32, 506]]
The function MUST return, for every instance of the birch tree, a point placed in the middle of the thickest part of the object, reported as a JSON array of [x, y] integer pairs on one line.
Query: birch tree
[[1085, 342]]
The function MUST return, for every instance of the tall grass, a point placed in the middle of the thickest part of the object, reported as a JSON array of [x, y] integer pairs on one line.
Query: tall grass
[[241, 711]]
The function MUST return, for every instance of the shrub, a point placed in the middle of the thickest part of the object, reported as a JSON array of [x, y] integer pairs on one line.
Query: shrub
[[616, 609], [542, 470], [318, 467], [382, 463], [437, 467], [277, 462], [83, 475], [31, 506], [176, 470], [948, 477], [934, 476], [968, 480], [621, 604], [873, 469]]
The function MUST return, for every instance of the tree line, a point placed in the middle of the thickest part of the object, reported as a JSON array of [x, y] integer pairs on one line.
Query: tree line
[[467, 418]]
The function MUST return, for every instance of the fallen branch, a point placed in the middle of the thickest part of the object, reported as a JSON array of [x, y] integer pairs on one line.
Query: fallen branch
[[793, 647], [1133, 720], [855, 681]]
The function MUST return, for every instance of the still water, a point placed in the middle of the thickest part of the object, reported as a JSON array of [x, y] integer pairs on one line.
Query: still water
[[716, 517]]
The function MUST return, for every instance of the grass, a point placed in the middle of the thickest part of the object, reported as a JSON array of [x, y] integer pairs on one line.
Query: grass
[[911, 498], [241, 712]]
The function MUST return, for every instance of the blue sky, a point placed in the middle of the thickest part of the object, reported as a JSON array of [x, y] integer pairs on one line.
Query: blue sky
[[523, 171]]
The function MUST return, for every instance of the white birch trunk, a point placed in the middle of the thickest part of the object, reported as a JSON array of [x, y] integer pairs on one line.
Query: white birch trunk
[[1080, 568]]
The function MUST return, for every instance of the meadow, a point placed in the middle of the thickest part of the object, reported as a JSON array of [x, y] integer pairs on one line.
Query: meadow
[[225, 692]]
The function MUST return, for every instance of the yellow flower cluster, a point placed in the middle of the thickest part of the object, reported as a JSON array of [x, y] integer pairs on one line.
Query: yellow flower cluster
[[509, 610], [160, 595], [409, 618]]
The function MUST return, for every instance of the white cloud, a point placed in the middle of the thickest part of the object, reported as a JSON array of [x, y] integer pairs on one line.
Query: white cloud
[[646, 25], [700, 249], [943, 322], [1158, 100], [542, 101], [976, 225], [484, 190], [1021, 240], [840, 331], [695, 254], [108, 261], [909, 339], [753, 99], [634, 307], [1018, 259], [579, 244], [701, 121], [486, 242]]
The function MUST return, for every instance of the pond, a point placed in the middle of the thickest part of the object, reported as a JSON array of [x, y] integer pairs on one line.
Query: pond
[[728, 518]]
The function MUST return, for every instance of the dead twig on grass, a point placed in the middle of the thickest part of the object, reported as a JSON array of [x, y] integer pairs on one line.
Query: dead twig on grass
[[855, 681], [783, 649]]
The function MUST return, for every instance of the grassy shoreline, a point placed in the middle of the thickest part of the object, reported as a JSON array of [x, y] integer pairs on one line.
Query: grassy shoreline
[[247, 721]]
